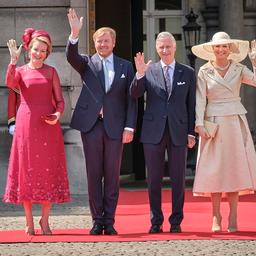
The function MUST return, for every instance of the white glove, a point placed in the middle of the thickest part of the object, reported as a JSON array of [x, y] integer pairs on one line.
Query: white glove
[[11, 129]]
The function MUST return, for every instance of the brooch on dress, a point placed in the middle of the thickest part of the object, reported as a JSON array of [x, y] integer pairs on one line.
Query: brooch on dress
[[210, 71]]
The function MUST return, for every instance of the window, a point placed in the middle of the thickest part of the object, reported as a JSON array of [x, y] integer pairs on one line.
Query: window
[[158, 16], [167, 4]]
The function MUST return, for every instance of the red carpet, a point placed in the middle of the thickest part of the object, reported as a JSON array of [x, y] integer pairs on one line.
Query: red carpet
[[132, 222]]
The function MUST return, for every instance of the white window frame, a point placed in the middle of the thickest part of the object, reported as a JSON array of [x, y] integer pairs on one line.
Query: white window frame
[[150, 14]]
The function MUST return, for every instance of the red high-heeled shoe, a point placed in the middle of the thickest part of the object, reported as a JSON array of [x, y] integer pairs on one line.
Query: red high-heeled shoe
[[45, 229], [30, 231]]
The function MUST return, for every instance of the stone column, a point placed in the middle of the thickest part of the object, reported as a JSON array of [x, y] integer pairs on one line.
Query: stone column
[[211, 14], [72, 139], [50, 15], [249, 92], [239, 24], [231, 17]]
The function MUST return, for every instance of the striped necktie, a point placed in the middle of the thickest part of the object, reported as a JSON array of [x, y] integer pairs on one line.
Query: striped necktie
[[168, 79]]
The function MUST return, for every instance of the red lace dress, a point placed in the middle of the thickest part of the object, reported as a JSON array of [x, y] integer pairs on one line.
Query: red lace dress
[[37, 166]]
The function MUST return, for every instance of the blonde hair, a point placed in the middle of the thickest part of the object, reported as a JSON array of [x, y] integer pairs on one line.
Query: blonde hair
[[42, 39], [102, 31]]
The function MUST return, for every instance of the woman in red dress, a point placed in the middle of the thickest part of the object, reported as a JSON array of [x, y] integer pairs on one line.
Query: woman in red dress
[[37, 166]]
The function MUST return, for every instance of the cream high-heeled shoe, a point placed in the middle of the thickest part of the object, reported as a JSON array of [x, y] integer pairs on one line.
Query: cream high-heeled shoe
[[216, 224], [232, 229], [45, 229], [232, 224]]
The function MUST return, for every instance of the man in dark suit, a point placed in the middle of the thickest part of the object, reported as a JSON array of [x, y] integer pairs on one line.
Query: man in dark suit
[[105, 114], [168, 123]]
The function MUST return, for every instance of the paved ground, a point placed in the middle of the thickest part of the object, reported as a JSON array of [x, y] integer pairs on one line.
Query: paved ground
[[76, 215]]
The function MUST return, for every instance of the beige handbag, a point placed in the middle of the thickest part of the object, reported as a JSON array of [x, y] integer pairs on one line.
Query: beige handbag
[[211, 128]]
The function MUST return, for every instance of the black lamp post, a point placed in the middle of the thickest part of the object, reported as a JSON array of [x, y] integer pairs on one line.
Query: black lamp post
[[191, 33]]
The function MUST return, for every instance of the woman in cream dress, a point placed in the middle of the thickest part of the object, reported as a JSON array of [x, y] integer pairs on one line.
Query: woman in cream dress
[[226, 164]]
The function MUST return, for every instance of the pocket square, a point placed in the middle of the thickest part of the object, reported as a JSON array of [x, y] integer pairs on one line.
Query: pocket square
[[181, 83], [122, 76]]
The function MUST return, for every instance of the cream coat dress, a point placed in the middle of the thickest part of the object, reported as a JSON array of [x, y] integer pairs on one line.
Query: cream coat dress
[[227, 162]]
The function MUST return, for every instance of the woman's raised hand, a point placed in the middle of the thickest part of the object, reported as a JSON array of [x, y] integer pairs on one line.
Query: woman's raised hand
[[252, 53], [14, 51], [75, 23]]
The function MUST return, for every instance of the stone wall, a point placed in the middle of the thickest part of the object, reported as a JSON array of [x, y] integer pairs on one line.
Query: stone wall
[[50, 15], [16, 15]]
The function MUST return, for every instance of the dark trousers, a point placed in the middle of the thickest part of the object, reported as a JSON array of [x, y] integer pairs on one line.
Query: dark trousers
[[103, 157], [155, 161]]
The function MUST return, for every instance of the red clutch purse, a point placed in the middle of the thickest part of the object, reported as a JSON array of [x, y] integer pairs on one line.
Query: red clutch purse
[[50, 117]]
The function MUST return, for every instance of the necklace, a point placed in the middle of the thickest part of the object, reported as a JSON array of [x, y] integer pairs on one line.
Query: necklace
[[221, 68]]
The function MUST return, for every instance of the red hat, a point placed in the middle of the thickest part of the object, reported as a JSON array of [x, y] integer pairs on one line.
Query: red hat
[[31, 33]]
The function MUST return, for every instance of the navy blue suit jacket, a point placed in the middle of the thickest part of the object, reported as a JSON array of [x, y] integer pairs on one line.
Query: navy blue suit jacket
[[120, 109], [178, 109]]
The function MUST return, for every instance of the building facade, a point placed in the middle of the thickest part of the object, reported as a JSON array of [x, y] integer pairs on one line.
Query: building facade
[[137, 23]]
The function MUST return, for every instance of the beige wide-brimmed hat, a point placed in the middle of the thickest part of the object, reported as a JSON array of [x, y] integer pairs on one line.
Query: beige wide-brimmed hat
[[239, 48]]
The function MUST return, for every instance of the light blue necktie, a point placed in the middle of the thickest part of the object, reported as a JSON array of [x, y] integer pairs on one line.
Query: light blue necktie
[[106, 74]]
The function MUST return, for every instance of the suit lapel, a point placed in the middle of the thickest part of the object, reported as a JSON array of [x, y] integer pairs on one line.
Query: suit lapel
[[118, 67], [231, 73], [96, 67], [158, 75], [214, 75], [178, 71], [159, 78]]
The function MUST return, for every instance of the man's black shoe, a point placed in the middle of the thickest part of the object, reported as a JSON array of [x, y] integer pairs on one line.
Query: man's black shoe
[[155, 229], [97, 229], [109, 230], [175, 229]]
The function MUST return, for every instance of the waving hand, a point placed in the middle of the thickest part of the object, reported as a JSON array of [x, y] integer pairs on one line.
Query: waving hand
[[252, 53], [140, 64], [14, 51], [75, 23]]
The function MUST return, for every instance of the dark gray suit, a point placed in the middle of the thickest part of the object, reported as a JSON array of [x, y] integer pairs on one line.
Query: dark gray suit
[[167, 121], [102, 140]]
